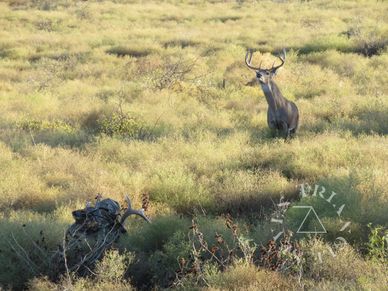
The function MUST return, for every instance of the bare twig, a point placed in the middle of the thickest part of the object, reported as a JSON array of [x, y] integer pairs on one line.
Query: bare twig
[[65, 259], [24, 257]]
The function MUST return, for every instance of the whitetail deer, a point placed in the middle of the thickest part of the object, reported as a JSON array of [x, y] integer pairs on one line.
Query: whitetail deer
[[282, 114]]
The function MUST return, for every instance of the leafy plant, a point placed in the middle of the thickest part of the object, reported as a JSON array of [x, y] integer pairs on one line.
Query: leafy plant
[[378, 243], [35, 125], [122, 125]]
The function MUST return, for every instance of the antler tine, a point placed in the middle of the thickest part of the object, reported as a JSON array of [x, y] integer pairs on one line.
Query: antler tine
[[250, 56], [128, 201], [248, 62], [131, 211], [282, 58]]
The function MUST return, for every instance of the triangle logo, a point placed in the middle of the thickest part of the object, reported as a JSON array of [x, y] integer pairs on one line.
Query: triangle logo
[[311, 222]]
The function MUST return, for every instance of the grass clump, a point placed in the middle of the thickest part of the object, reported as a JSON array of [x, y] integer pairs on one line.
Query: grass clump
[[39, 125], [344, 268], [129, 127], [122, 125], [109, 273], [248, 277]]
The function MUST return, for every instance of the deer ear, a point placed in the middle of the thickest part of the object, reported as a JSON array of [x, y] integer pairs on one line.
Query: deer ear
[[274, 71]]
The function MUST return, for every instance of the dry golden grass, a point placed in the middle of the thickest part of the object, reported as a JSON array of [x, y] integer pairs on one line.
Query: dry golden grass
[[191, 130]]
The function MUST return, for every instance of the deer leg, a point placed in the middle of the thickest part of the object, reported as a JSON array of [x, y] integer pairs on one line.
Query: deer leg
[[285, 130], [273, 128], [292, 132]]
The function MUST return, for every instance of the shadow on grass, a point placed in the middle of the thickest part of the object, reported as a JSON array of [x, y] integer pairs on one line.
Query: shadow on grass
[[345, 45], [182, 43], [81, 57], [122, 51], [362, 122], [18, 139], [253, 207], [27, 242]]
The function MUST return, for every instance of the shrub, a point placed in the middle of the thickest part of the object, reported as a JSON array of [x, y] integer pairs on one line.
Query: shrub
[[122, 125], [333, 265], [172, 71], [113, 267], [39, 125], [378, 243], [152, 237], [165, 263]]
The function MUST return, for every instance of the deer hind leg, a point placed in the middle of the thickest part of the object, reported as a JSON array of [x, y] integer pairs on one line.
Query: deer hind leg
[[292, 132]]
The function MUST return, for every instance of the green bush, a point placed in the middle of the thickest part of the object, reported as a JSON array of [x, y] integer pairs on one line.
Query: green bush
[[39, 125], [165, 263], [129, 127], [122, 125], [113, 267], [378, 243], [153, 237]]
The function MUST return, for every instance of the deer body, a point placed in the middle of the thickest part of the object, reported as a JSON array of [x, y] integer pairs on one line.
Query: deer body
[[282, 114]]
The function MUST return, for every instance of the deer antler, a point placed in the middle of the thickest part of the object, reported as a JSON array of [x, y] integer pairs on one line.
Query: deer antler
[[282, 58], [248, 62], [131, 211]]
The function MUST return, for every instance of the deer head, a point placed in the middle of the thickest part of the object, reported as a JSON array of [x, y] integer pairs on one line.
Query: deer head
[[264, 75]]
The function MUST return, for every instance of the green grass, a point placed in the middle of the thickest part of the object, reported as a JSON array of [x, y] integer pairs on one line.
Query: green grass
[[119, 97]]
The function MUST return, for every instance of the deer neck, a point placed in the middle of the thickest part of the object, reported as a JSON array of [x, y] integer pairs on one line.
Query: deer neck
[[272, 94]]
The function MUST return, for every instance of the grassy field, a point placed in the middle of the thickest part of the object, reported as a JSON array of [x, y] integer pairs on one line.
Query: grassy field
[[154, 98]]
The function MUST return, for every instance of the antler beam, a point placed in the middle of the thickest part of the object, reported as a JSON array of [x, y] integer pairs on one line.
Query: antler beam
[[282, 58], [131, 211], [248, 59]]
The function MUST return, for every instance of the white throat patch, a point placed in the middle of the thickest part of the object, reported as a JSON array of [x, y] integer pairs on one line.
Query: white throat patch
[[266, 87]]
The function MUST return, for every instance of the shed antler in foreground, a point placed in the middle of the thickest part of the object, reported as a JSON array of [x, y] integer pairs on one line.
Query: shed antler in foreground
[[95, 230], [131, 211]]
